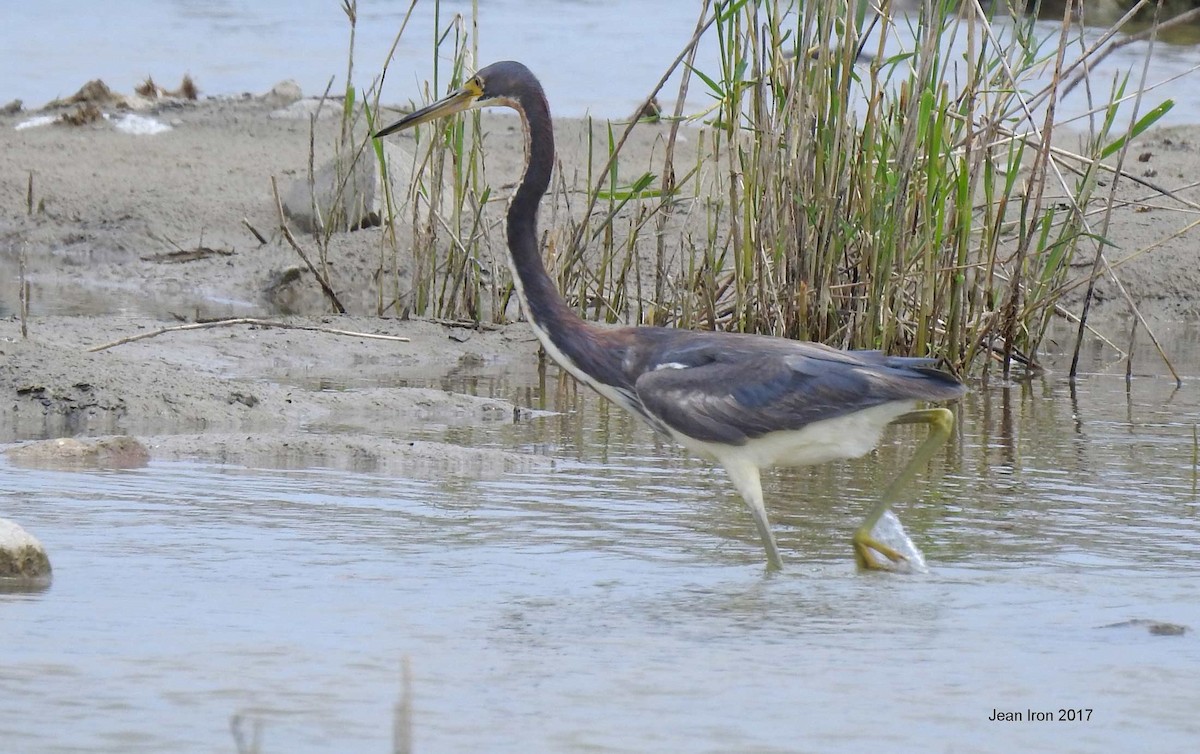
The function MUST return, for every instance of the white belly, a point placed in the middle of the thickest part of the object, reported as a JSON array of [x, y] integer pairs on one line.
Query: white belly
[[847, 436]]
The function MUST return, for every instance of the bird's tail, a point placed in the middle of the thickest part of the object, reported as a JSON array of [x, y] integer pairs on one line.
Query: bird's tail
[[939, 385]]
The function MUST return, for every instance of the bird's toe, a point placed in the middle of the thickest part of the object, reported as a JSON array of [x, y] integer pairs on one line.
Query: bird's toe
[[867, 552]]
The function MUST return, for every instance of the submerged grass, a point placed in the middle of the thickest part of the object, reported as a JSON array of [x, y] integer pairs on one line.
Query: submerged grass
[[854, 182]]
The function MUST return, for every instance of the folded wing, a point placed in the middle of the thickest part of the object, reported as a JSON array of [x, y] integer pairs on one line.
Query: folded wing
[[734, 389]]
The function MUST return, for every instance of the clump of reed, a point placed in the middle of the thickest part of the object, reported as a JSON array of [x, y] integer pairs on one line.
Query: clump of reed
[[357, 159], [441, 272], [854, 183], [913, 201], [453, 256]]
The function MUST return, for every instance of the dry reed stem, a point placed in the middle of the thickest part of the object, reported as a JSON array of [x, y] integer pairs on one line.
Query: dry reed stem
[[1085, 59], [594, 195], [1150, 33], [23, 290], [1101, 262], [287, 233], [1101, 259], [251, 321], [261, 240], [668, 184], [402, 721]]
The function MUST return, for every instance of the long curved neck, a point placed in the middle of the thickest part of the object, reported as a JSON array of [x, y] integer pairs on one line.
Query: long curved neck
[[579, 348], [539, 296]]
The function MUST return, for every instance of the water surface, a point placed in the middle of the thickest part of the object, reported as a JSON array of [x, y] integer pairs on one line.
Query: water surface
[[597, 57], [619, 603]]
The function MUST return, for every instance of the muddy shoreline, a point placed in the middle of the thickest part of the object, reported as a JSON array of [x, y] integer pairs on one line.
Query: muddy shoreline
[[114, 209]]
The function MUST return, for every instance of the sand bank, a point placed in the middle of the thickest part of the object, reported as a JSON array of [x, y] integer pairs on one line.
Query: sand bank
[[135, 232]]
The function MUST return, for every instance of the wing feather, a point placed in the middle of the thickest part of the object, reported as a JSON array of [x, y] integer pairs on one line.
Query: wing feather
[[732, 389]]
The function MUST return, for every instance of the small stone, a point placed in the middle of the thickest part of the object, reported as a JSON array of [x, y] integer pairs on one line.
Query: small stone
[[306, 109], [1154, 627], [22, 557], [1158, 628], [283, 94], [246, 399]]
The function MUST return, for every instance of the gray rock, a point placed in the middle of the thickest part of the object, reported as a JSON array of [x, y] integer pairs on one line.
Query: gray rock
[[307, 108], [355, 201], [117, 452], [341, 196]]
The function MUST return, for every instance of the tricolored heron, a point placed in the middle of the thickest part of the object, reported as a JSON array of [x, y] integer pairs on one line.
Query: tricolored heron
[[747, 401]]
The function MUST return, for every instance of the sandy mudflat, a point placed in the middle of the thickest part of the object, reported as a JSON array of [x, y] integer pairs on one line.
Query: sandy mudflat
[[114, 206]]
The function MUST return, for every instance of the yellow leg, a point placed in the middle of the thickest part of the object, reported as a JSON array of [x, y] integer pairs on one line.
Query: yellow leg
[[941, 423]]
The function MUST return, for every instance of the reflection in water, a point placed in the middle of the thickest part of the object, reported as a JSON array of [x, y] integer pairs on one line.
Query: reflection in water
[[619, 603]]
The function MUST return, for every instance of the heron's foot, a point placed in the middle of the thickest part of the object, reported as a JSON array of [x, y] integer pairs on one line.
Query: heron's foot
[[867, 550]]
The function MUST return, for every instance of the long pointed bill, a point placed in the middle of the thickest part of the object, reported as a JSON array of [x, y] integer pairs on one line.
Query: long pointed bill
[[457, 101]]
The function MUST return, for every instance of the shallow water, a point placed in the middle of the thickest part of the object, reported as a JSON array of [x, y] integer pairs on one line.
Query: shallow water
[[597, 57], [619, 603]]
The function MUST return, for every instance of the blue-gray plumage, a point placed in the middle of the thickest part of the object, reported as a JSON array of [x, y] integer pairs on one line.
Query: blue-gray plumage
[[747, 401], [730, 388]]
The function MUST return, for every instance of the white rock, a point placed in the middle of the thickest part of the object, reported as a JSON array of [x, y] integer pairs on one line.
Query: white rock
[[22, 556], [34, 122], [283, 94], [140, 125]]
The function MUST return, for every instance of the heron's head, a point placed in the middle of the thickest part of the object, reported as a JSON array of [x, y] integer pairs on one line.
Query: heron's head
[[504, 83]]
